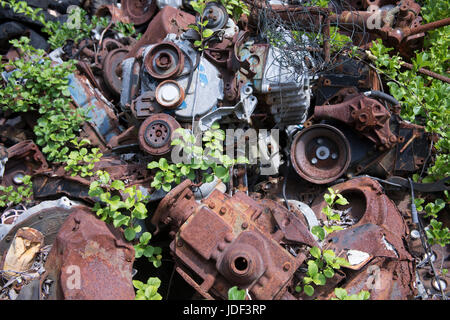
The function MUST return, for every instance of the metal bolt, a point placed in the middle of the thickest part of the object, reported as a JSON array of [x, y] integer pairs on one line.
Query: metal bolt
[[415, 234], [212, 205], [313, 160], [223, 210], [286, 266], [244, 225]]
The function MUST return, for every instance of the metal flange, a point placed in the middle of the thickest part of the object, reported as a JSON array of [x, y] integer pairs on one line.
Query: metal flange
[[155, 134], [320, 154]]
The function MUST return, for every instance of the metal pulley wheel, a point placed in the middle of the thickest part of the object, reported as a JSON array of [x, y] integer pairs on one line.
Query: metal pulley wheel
[[110, 66], [165, 60], [320, 154], [217, 16], [169, 94], [139, 11], [155, 134]]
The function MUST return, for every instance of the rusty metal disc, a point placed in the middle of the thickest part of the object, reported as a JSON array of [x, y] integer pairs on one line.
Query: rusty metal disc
[[155, 133], [165, 60], [320, 153], [216, 14], [110, 65], [139, 11], [169, 94]]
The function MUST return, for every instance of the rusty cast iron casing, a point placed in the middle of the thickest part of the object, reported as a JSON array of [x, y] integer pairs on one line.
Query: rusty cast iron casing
[[381, 232], [227, 241], [368, 116], [90, 260]]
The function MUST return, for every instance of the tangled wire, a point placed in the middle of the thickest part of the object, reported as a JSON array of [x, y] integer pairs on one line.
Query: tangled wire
[[309, 39]]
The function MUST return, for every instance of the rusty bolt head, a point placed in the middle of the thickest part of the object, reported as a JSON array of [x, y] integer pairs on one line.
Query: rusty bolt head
[[221, 246], [244, 225], [286, 266], [229, 237], [211, 205], [223, 210], [180, 243]]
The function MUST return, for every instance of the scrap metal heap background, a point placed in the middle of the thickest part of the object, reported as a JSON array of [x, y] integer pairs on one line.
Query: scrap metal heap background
[[283, 67]]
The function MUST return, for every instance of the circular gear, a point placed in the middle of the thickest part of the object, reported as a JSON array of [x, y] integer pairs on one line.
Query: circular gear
[[139, 11], [320, 153], [155, 134]]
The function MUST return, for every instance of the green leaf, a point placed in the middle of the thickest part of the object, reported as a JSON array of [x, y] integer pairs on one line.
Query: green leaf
[[118, 185], [329, 273], [319, 232], [235, 294], [140, 211], [148, 252], [315, 252], [153, 165], [340, 293], [313, 269], [309, 290], [163, 164], [319, 279], [145, 237], [130, 234], [166, 187], [138, 284], [207, 33]]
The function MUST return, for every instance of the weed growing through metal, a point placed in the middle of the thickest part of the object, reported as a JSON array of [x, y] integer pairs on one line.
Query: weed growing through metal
[[319, 269], [204, 162], [11, 196], [331, 198]]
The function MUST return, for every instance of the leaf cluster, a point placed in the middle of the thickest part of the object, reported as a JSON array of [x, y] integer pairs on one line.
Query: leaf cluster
[[320, 269]]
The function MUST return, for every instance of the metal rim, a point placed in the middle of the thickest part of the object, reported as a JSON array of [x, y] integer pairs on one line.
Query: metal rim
[[169, 103], [110, 65], [217, 16], [320, 153]]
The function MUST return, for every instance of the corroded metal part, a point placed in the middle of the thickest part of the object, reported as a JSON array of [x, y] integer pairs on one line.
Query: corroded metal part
[[380, 232], [165, 60], [24, 158], [139, 11], [366, 115], [167, 20], [90, 260], [156, 132], [226, 241], [320, 153], [169, 94], [111, 64]]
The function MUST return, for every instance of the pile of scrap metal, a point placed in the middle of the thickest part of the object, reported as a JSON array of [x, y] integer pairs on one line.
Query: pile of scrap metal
[[337, 128]]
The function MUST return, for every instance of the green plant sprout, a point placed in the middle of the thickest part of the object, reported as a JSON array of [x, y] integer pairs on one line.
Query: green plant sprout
[[81, 161], [112, 209], [10, 196], [341, 294], [207, 161], [235, 294], [149, 290], [331, 198]]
